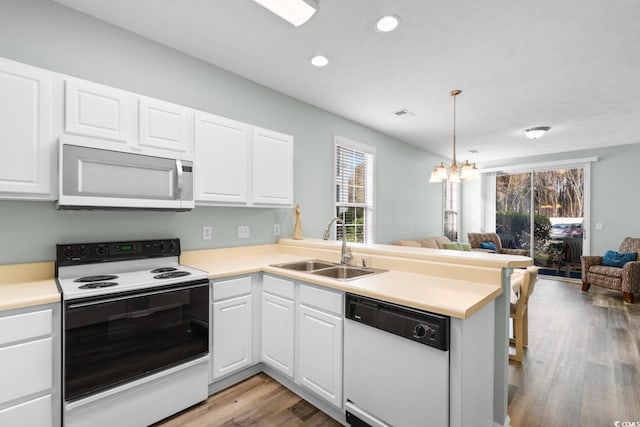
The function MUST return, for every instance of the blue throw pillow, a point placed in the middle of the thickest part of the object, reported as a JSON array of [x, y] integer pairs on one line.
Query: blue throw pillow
[[488, 245], [615, 259]]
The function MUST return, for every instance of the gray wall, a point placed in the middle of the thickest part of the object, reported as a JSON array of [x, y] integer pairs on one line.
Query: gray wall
[[614, 190], [50, 36]]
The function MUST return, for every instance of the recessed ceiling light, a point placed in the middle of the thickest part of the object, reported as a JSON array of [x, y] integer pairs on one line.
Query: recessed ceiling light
[[387, 23], [319, 61], [536, 132]]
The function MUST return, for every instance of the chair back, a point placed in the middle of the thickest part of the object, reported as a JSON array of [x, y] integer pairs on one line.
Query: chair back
[[571, 251], [533, 277], [630, 244], [476, 238], [526, 289]]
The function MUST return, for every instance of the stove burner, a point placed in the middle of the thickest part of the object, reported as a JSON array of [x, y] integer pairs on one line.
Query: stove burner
[[96, 285], [163, 270], [171, 275], [101, 278]]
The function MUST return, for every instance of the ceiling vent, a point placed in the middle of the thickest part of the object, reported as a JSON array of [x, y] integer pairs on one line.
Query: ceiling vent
[[403, 113]]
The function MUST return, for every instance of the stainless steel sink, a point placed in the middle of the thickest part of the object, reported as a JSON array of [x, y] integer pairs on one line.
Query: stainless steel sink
[[344, 272], [329, 269], [308, 265]]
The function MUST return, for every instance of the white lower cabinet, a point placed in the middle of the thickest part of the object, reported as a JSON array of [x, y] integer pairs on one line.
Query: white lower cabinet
[[29, 367], [299, 332], [278, 320], [319, 342], [232, 326]]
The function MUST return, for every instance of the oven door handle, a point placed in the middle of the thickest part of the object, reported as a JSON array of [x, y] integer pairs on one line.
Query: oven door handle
[[71, 306]]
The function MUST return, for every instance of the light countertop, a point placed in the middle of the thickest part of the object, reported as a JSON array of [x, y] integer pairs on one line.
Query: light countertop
[[26, 285], [426, 281], [447, 282]]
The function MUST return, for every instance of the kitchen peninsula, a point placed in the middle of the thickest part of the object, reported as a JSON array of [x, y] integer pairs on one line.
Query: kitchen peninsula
[[468, 287]]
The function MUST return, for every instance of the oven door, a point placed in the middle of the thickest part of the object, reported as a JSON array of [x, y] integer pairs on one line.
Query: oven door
[[116, 338]]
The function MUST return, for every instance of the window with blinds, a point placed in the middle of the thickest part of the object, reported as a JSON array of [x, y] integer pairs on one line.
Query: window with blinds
[[450, 209], [354, 171]]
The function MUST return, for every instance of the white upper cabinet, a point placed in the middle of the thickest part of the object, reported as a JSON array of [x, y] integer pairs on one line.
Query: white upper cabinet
[[99, 111], [272, 168], [221, 159], [27, 141], [242, 165], [166, 126], [118, 120], [235, 164]]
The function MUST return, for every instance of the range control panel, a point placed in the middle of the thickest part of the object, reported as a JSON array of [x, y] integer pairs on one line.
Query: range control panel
[[90, 253]]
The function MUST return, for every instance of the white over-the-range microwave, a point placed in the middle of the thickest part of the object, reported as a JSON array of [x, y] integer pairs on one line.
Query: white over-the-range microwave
[[95, 178]]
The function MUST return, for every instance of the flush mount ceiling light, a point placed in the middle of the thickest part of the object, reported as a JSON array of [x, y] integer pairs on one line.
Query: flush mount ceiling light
[[297, 12], [319, 61], [536, 132], [387, 23], [455, 171]]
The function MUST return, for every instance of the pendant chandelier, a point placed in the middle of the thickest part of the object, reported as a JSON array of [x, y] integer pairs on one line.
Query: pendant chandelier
[[455, 171]]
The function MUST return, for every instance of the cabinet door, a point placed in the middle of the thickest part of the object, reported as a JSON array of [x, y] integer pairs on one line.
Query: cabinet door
[[33, 413], [99, 111], [232, 335], [277, 333], [27, 367], [320, 353], [272, 168], [26, 142], [221, 160], [167, 127]]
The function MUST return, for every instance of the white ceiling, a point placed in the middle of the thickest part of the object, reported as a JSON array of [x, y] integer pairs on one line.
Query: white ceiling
[[573, 65]]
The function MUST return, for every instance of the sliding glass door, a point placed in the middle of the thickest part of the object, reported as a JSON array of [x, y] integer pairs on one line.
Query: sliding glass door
[[544, 211]]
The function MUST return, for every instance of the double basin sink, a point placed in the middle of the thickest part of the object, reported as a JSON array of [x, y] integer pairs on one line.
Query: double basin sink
[[329, 269]]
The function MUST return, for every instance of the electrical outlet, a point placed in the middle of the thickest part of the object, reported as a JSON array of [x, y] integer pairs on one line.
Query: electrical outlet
[[276, 229], [243, 232], [207, 232], [599, 226]]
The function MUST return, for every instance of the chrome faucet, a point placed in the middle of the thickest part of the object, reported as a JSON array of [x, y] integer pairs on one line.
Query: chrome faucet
[[345, 255]]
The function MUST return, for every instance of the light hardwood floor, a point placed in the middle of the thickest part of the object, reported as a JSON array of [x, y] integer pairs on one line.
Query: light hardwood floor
[[257, 401], [582, 368]]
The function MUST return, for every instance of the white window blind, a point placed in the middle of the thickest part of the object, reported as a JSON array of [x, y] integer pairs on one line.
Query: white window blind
[[354, 172], [450, 209]]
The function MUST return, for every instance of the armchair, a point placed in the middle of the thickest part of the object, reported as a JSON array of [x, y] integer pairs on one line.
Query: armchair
[[625, 279], [476, 238]]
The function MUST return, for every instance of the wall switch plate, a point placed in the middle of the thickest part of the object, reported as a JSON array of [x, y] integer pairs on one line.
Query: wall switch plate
[[243, 232], [207, 232], [276, 229], [599, 226]]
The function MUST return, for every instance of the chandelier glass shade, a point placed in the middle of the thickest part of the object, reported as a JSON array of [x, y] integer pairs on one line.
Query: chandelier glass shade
[[455, 171]]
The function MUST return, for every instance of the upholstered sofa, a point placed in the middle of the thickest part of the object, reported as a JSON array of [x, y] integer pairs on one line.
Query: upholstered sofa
[[436, 242], [477, 238], [625, 279]]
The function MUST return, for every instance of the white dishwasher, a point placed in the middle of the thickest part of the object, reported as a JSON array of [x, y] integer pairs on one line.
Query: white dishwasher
[[396, 365]]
